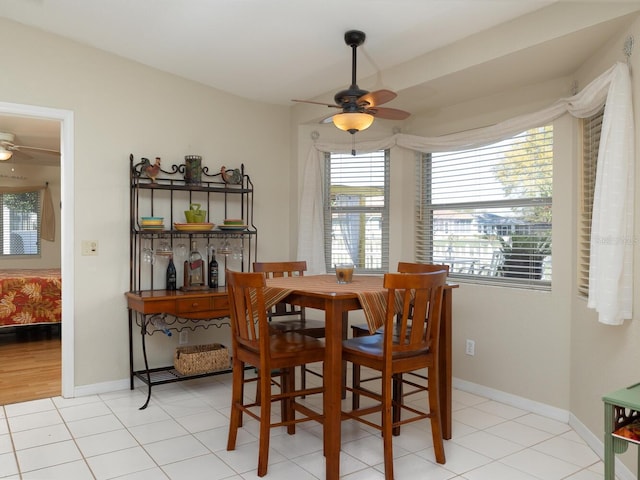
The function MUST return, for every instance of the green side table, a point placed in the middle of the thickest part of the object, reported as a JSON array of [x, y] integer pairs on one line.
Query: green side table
[[620, 407]]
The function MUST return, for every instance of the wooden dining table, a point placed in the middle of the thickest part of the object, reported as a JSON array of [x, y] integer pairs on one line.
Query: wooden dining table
[[322, 292]]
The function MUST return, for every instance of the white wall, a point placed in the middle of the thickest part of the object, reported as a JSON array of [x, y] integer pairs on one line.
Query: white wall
[[121, 107]]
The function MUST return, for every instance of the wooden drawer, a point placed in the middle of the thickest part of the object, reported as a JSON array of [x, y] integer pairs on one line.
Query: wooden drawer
[[220, 303], [194, 304]]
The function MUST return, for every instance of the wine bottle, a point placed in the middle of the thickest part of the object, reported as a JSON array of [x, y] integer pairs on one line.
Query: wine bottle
[[213, 271], [196, 267], [171, 275]]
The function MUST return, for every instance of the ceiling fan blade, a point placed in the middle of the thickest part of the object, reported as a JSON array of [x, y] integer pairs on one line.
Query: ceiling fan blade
[[388, 113], [378, 97], [20, 148], [330, 105], [18, 155]]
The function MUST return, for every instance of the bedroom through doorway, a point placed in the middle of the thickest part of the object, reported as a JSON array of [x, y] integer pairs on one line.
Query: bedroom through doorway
[[31, 338]]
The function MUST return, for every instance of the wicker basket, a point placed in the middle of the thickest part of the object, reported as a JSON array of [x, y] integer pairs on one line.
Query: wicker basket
[[196, 359]]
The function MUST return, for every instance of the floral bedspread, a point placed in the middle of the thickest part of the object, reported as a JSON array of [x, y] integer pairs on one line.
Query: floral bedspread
[[29, 296]]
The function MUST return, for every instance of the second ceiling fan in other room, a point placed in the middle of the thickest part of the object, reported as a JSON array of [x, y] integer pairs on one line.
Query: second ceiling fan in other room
[[8, 148], [359, 107]]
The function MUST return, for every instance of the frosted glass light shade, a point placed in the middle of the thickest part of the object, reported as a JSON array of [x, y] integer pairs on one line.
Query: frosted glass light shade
[[352, 122], [5, 154]]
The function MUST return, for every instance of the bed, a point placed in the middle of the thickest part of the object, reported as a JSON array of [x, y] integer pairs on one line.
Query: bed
[[30, 296]]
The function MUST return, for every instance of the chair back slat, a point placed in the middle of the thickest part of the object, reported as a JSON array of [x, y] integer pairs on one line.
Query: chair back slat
[[418, 324], [249, 323], [280, 270]]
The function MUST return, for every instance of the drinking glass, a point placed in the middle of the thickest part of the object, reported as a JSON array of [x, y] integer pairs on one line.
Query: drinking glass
[[344, 272]]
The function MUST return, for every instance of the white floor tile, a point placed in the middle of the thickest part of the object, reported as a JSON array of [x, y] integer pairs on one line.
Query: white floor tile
[[47, 455], [182, 435], [175, 449], [121, 462], [41, 436], [570, 451], [8, 465], [540, 465], [519, 433], [205, 467], [34, 420], [153, 432], [107, 442], [488, 445], [498, 471], [77, 470]]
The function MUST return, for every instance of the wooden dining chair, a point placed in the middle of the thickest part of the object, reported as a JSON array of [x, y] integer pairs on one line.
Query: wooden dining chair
[[285, 317], [360, 330], [410, 341], [254, 344]]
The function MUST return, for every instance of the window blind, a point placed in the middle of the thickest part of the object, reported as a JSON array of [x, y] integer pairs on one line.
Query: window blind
[[591, 129], [20, 221], [356, 210], [486, 212]]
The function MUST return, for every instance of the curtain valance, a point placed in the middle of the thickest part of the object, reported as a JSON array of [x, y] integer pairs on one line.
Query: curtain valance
[[611, 274]]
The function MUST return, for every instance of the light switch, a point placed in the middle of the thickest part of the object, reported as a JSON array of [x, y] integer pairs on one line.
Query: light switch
[[89, 247]]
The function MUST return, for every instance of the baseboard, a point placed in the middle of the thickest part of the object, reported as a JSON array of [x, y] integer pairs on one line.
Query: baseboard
[[593, 441], [97, 388], [513, 400]]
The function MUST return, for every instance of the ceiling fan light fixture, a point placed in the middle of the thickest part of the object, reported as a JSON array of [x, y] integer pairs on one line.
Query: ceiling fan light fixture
[[5, 154], [352, 122]]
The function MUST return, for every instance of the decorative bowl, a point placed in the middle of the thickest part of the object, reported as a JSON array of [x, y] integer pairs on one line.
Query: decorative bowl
[[233, 221]]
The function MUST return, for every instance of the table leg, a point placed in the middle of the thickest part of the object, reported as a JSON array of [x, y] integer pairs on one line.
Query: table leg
[[333, 387], [609, 456], [445, 363]]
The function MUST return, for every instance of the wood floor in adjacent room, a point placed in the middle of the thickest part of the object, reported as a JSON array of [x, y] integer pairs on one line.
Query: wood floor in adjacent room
[[30, 368]]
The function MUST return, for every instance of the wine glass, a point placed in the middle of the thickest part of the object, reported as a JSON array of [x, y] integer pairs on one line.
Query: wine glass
[[148, 255], [225, 249]]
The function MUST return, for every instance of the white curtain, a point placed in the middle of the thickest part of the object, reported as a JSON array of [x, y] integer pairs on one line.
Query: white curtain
[[610, 278]]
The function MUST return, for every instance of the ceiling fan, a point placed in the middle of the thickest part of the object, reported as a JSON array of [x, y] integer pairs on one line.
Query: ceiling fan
[[359, 107], [8, 148]]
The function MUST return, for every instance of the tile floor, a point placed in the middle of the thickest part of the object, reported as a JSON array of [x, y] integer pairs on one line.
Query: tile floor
[[183, 432]]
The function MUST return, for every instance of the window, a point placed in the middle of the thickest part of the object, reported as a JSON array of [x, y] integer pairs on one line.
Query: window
[[20, 223], [591, 128], [486, 212], [356, 210]]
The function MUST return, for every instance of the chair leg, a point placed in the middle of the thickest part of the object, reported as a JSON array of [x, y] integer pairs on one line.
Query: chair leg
[[387, 427], [434, 410], [397, 402], [235, 420], [355, 398], [265, 424], [288, 385]]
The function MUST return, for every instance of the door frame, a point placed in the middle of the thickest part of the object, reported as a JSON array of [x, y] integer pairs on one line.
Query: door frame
[[65, 117]]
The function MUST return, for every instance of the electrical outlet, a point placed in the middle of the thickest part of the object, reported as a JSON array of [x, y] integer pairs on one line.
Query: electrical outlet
[[184, 337], [470, 348]]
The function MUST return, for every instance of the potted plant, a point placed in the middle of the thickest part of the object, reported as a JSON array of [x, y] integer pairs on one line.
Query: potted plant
[[523, 255]]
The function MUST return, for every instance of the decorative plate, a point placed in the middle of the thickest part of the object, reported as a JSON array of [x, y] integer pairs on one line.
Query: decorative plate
[[194, 227], [232, 227]]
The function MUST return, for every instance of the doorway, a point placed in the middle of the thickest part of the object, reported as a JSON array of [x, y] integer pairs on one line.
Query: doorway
[[65, 119]]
